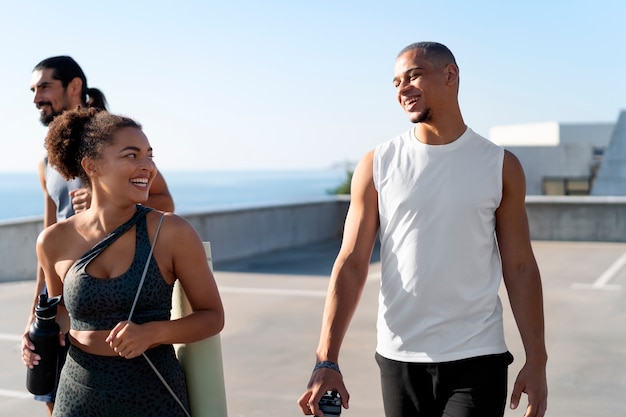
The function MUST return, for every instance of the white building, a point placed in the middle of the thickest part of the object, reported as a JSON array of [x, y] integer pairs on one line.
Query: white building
[[611, 177], [558, 158]]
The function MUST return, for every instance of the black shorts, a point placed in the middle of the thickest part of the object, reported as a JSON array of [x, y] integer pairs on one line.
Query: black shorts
[[466, 388]]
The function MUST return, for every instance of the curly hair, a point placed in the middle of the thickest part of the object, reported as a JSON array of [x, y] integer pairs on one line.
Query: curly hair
[[81, 133]]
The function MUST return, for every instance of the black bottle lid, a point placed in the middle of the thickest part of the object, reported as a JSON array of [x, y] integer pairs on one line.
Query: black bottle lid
[[47, 307]]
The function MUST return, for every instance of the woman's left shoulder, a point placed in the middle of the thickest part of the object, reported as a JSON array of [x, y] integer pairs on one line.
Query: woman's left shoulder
[[170, 222]]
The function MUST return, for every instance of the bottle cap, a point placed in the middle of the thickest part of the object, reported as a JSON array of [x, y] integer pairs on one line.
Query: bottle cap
[[46, 308]]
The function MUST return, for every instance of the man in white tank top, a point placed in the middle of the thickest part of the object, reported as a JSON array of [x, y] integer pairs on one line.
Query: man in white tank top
[[449, 209]]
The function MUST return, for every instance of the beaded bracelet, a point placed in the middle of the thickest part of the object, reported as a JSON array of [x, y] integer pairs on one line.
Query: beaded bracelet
[[327, 364]]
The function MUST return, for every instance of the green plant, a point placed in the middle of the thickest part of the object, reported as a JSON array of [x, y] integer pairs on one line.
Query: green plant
[[344, 187]]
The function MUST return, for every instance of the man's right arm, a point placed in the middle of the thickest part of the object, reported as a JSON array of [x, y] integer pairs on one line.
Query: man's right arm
[[160, 197], [49, 218], [346, 285]]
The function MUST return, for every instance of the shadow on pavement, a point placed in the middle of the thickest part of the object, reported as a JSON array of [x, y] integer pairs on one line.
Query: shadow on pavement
[[311, 259]]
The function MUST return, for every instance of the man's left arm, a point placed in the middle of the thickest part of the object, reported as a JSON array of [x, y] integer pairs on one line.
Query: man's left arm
[[523, 285], [160, 197]]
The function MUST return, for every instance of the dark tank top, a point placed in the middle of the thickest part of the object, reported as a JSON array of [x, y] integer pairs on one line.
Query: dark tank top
[[99, 303]]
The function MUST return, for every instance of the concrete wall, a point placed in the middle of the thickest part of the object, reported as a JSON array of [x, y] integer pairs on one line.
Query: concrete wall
[[243, 232], [583, 218], [17, 248], [234, 234]]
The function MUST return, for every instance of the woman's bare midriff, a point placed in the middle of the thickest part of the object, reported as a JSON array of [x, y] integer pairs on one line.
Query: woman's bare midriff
[[92, 341]]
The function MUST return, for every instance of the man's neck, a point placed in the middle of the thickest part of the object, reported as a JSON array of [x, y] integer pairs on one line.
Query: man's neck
[[440, 132]]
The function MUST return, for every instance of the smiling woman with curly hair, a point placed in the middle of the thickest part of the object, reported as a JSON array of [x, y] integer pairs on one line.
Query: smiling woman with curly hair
[[96, 260]]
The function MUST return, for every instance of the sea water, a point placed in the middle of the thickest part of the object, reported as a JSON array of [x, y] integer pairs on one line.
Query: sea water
[[193, 191]]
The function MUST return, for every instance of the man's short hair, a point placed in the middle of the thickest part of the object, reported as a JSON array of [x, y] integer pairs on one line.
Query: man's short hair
[[435, 52]]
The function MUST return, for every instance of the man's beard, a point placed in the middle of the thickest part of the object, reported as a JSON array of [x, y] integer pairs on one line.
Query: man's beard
[[46, 119], [424, 116]]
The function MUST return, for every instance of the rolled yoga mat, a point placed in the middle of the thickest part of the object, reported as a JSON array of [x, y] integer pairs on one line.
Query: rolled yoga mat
[[202, 362]]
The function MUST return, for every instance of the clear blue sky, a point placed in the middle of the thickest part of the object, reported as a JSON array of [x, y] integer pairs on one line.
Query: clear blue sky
[[305, 84]]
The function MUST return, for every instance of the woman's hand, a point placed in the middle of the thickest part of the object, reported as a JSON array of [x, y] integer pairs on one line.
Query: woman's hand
[[129, 339], [29, 357]]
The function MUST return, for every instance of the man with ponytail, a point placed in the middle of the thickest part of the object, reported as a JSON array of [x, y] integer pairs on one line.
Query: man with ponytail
[[59, 84]]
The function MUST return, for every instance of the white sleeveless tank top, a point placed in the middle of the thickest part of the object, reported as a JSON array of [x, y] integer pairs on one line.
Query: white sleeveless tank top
[[441, 268]]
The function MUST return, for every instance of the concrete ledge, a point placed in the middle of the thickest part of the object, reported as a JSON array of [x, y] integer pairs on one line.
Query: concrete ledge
[[235, 233], [18, 260], [245, 231], [577, 218], [239, 233]]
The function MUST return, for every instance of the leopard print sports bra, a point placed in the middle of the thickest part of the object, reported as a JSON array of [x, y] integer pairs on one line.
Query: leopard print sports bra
[[100, 303]]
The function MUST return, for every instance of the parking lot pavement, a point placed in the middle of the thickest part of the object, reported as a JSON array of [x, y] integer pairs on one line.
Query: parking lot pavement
[[273, 309]]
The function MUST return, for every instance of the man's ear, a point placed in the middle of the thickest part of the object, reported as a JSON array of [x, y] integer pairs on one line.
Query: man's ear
[[75, 88], [452, 74]]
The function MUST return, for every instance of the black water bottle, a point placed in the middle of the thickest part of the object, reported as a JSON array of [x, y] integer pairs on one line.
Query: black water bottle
[[44, 333], [330, 404]]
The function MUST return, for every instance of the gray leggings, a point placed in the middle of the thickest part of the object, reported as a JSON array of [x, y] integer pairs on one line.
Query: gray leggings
[[103, 386]]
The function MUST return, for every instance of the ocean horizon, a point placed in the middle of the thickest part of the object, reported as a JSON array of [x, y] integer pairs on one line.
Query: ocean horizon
[[194, 191]]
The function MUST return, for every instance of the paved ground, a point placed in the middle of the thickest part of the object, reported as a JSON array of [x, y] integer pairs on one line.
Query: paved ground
[[274, 304]]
